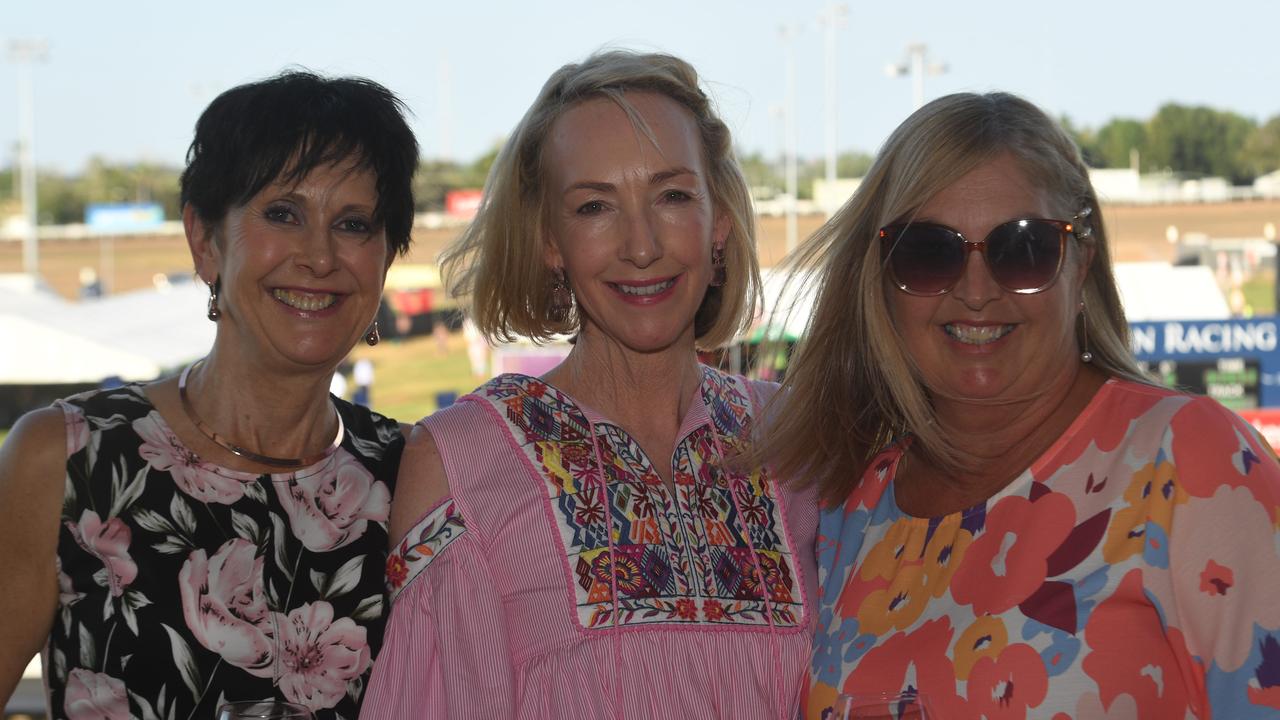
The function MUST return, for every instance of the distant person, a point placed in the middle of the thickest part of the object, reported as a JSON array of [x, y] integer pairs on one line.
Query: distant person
[[583, 545], [338, 384], [1016, 523], [362, 376], [221, 535], [90, 284]]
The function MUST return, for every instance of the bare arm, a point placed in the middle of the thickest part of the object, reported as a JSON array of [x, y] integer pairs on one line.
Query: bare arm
[[32, 471], [420, 485]]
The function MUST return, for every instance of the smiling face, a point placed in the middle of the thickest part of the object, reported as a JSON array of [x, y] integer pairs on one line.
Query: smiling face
[[631, 221], [978, 341], [301, 268]]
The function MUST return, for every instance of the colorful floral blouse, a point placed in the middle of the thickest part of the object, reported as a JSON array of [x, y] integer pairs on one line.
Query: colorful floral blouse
[[184, 584], [563, 579], [1132, 572]]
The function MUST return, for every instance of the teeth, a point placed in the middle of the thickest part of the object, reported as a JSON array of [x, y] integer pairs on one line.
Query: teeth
[[977, 334], [644, 290], [304, 301]]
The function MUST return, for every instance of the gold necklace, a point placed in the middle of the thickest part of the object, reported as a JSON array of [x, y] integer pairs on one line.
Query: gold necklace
[[288, 463]]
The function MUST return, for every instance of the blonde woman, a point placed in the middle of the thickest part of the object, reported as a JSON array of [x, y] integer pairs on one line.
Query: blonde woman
[[1016, 523], [576, 545]]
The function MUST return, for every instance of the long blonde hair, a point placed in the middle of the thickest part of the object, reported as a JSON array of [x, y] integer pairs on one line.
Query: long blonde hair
[[851, 386], [497, 264]]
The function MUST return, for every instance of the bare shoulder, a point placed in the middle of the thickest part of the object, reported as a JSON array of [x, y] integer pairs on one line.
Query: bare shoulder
[[32, 456], [32, 472], [421, 484], [32, 469]]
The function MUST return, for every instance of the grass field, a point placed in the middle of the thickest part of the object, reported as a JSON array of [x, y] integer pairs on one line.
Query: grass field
[[409, 374]]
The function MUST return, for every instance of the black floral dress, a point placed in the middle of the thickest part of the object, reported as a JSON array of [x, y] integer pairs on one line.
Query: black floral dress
[[183, 584]]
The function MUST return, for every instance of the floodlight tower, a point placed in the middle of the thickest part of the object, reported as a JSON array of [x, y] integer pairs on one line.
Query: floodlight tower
[[24, 53], [832, 19], [916, 64], [787, 33]]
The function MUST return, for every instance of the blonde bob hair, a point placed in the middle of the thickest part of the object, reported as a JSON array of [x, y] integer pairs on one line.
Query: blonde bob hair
[[851, 386], [497, 266]]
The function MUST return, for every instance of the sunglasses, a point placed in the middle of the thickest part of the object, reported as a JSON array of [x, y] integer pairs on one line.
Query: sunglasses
[[1023, 256]]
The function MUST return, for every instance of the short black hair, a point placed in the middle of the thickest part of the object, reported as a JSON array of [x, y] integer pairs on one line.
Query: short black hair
[[284, 127]]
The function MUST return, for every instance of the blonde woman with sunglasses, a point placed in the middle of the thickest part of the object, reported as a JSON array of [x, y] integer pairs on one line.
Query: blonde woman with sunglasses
[[1016, 522]]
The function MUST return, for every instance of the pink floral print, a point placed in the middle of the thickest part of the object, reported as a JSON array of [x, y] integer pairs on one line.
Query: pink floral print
[[331, 508], [182, 584], [77, 428], [203, 481], [95, 696], [225, 606], [319, 655], [109, 542]]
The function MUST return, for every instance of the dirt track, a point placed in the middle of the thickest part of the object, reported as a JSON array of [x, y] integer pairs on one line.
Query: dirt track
[[1137, 233]]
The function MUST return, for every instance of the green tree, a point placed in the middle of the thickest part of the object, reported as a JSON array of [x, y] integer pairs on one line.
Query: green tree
[[1198, 140], [853, 164], [1261, 152], [763, 175], [1117, 139]]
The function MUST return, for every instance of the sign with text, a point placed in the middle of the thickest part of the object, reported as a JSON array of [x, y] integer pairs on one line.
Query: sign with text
[[1236, 362], [120, 218]]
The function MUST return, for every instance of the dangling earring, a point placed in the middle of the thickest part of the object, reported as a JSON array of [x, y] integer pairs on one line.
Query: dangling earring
[[213, 313], [372, 337], [719, 275], [1085, 356], [561, 297]]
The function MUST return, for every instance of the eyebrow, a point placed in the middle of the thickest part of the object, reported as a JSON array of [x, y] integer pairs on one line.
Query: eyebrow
[[658, 177]]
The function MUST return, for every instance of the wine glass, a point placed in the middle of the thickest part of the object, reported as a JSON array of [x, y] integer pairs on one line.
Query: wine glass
[[882, 706], [263, 710]]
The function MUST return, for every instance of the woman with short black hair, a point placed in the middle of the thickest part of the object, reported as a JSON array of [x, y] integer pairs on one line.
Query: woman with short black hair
[[221, 536]]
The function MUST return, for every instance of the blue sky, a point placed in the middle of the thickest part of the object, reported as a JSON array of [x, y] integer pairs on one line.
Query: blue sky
[[127, 80]]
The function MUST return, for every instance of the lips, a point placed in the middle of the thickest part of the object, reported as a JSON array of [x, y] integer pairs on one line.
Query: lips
[[301, 300], [644, 290], [976, 334]]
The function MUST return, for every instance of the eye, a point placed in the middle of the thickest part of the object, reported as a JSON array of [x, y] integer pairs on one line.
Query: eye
[[355, 225], [279, 213], [676, 196], [591, 208]]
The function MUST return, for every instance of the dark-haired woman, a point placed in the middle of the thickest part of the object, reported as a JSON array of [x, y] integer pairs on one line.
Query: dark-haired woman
[[221, 535]]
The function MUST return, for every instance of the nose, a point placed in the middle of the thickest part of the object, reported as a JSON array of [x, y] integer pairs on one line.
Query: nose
[[976, 287], [317, 251], [641, 244]]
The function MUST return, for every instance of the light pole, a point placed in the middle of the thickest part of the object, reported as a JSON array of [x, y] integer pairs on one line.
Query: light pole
[[788, 33], [916, 64], [24, 53], [832, 19]]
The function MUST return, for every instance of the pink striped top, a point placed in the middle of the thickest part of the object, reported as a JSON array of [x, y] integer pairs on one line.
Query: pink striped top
[[521, 596]]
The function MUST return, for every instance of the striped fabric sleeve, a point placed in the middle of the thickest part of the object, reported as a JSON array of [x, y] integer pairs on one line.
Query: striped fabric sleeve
[[445, 654]]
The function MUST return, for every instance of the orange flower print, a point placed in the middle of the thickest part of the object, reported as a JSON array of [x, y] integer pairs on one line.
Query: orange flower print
[[1008, 685], [898, 605], [1152, 493], [900, 544], [944, 552], [397, 570], [985, 638], [1008, 561], [1141, 665]]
